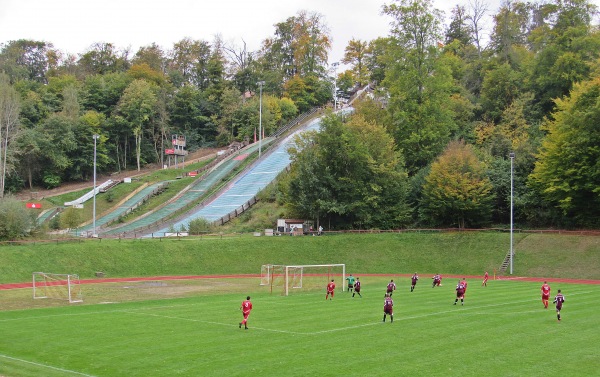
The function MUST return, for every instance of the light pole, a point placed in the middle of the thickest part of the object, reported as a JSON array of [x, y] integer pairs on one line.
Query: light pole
[[260, 85], [512, 254], [334, 66], [95, 136]]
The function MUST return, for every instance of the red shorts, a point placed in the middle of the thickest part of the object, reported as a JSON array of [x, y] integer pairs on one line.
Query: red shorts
[[388, 310], [545, 297]]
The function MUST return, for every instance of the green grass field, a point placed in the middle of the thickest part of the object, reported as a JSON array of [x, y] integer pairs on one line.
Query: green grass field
[[141, 330]]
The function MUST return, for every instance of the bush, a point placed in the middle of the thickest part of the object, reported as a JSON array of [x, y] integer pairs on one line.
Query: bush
[[15, 222], [199, 226], [70, 218], [51, 181]]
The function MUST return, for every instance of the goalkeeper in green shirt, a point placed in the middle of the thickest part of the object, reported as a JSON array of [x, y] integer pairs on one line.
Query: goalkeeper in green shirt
[[351, 280]]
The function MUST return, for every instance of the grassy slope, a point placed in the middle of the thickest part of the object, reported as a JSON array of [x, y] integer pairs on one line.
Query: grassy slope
[[121, 191], [389, 253]]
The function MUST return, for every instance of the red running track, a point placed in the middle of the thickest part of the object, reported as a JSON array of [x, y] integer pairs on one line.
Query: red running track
[[192, 277]]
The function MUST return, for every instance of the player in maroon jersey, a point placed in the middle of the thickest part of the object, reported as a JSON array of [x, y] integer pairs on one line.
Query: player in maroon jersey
[[388, 307], [413, 281], [485, 279], [330, 289], [245, 308], [558, 300], [437, 280], [391, 287], [460, 293], [545, 294], [357, 288]]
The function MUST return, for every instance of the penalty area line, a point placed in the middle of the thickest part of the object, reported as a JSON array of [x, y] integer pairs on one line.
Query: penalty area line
[[215, 323], [45, 366]]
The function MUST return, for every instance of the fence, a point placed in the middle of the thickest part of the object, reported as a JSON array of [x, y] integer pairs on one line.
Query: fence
[[240, 210], [294, 122]]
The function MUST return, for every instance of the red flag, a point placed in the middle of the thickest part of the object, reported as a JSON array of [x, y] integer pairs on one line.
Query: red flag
[[34, 205]]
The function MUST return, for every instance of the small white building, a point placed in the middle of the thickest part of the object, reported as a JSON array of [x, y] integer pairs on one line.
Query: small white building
[[293, 226]]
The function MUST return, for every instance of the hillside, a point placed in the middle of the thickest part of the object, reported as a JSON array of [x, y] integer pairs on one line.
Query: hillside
[[537, 255], [68, 187]]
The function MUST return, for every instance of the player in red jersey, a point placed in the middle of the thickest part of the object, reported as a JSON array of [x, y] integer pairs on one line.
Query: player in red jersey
[[413, 281], [485, 279], [330, 289], [391, 287], [388, 307], [245, 308], [558, 300], [460, 293], [437, 280], [545, 294], [464, 283], [357, 288]]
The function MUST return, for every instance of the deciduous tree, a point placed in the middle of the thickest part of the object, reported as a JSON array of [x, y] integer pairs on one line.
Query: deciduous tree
[[9, 126], [567, 172], [419, 83], [355, 54], [456, 190], [137, 106]]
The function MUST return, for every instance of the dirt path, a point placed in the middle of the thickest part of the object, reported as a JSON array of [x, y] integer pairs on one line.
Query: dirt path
[[38, 193]]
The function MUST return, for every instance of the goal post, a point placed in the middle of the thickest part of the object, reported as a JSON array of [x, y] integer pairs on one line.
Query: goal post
[[307, 277], [57, 286]]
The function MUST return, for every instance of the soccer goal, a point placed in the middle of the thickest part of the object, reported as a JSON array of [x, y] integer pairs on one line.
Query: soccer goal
[[57, 286], [306, 277]]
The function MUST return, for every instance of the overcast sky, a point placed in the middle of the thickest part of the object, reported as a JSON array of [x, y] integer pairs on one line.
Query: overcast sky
[[74, 25]]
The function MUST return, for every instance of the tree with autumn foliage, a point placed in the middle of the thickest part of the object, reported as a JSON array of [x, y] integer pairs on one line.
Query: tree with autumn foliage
[[356, 54], [457, 191]]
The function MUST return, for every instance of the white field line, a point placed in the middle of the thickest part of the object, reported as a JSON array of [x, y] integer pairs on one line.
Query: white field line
[[45, 366], [211, 322]]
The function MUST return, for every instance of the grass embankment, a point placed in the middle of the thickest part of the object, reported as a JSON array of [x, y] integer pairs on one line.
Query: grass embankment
[[557, 256]]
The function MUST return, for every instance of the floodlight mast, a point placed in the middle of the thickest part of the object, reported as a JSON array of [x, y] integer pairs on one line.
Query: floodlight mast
[[512, 254], [95, 136], [260, 85]]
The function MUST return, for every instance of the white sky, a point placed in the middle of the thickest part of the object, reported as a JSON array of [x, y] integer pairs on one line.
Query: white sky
[[72, 26]]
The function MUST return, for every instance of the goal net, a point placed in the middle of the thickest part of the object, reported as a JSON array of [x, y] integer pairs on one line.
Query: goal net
[[312, 277], [57, 286]]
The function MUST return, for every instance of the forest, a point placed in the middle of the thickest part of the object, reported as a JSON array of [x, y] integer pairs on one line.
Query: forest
[[450, 116]]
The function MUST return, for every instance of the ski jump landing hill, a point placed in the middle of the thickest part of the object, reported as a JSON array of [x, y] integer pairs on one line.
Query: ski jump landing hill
[[247, 185]]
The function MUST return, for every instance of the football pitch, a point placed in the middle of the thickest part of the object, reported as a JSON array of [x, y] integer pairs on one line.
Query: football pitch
[[502, 330]]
